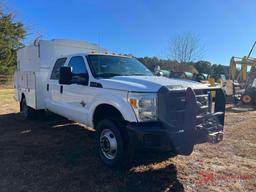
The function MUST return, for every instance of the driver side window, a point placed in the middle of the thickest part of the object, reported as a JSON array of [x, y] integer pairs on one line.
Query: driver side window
[[79, 71]]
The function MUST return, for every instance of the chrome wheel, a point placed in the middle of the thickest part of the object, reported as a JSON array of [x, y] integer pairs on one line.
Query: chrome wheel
[[108, 144]]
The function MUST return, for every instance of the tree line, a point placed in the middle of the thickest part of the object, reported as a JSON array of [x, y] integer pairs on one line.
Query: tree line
[[11, 35]]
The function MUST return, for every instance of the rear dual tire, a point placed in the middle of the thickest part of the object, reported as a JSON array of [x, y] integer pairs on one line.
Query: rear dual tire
[[27, 112]]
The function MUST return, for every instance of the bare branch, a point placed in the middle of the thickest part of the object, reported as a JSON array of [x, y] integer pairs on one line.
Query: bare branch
[[186, 48]]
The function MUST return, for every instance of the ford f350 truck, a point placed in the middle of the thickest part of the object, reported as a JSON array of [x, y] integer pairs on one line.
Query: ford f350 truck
[[130, 108]]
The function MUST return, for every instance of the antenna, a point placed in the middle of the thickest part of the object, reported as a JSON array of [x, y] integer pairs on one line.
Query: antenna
[[36, 41], [251, 50]]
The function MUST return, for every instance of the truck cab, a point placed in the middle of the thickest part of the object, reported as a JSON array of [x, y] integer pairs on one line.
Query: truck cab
[[130, 108]]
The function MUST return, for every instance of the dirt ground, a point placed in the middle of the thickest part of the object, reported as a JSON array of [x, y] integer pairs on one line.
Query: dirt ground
[[53, 154]]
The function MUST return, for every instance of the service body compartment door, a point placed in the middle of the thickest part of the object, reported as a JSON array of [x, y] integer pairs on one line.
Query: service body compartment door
[[31, 90]]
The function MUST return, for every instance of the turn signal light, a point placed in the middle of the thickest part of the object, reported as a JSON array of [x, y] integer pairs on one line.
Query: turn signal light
[[133, 102]]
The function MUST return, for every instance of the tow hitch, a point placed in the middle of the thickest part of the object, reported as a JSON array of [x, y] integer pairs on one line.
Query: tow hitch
[[215, 137]]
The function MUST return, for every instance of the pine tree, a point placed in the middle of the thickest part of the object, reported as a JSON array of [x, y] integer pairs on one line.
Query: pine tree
[[11, 35]]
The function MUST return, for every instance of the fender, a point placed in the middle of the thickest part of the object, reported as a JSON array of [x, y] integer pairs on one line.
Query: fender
[[120, 103]]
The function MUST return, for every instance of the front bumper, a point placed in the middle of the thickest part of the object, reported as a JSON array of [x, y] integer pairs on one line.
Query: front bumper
[[180, 128], [154, 137]]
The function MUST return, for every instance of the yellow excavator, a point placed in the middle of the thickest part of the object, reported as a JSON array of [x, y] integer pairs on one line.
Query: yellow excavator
[[247, 80]]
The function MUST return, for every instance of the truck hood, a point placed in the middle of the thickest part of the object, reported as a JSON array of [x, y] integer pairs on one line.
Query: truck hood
[[148, 83]]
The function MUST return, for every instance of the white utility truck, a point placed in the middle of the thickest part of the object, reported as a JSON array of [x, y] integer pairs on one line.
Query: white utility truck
[[130, 108]]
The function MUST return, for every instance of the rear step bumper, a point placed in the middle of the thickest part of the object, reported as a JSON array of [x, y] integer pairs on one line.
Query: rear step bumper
[[196, 128]]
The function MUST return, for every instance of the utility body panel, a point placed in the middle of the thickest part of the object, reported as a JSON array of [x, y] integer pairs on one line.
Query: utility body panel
[[35, 62]]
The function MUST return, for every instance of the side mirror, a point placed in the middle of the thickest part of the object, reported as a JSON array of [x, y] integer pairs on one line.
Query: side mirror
[[86, 81], [65, 76]]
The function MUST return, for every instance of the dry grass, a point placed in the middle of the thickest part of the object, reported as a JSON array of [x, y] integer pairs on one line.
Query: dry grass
[[227, 166], [53, 154], [7, 102]]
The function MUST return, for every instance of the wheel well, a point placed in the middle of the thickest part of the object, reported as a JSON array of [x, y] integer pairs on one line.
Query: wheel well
[[22, 97], [106, 111]]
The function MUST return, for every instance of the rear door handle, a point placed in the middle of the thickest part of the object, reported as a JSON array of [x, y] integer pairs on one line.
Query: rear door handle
[[61, 89]]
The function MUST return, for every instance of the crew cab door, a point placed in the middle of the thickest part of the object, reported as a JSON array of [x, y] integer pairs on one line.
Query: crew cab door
[[76, 95], [53, 97]]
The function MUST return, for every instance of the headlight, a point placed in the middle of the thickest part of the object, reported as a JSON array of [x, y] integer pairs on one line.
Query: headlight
[[144, 105]]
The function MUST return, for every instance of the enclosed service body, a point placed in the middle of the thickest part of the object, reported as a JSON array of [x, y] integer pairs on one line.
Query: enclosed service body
[[35, 62]]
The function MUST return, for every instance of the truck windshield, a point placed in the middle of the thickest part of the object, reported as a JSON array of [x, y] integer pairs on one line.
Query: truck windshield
[[107, 66]]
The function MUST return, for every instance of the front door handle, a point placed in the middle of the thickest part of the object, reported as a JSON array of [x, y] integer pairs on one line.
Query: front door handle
[[61, 89]]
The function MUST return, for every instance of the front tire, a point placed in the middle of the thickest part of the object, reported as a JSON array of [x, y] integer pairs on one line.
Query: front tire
[[111, 145]]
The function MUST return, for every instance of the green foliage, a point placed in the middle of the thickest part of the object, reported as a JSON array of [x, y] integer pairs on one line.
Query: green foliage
[[150, 62], [166, 64], [11, 35], [220, 69], [203, 67]]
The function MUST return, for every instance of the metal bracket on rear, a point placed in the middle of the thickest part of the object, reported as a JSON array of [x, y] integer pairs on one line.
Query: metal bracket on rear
[[215, 137]]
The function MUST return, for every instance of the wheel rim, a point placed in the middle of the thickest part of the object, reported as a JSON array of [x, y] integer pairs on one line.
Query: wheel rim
[[247, 99], [108, 144]]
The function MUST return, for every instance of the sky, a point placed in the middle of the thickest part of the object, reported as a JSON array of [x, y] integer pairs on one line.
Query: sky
[[144, 27]]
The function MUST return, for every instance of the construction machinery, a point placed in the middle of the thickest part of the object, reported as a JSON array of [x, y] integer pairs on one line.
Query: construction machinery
[[247, 80]]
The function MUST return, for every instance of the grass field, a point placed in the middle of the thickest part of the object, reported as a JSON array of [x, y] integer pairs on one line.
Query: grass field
[[6, 93], [8, 104], [54, 154]]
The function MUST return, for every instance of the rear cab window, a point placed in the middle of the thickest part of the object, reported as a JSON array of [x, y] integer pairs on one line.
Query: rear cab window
[[56, 69]]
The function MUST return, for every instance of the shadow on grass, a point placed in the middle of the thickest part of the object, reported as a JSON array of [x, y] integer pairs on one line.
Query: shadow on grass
[[54, 154]]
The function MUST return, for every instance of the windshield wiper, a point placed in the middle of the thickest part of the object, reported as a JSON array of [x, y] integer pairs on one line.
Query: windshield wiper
[[108, 75], [137, 74]]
